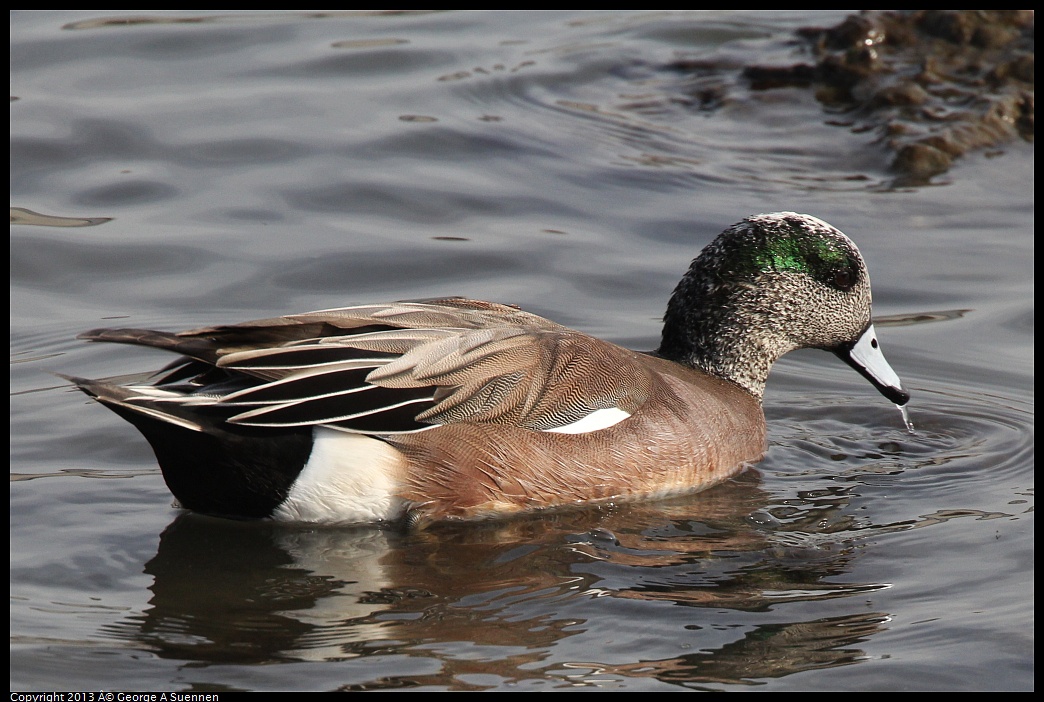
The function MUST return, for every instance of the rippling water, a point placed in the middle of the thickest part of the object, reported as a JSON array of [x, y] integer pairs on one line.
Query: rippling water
[[173, 170]]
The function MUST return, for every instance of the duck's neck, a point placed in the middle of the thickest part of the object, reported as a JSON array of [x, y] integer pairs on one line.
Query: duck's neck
[[720, 328]]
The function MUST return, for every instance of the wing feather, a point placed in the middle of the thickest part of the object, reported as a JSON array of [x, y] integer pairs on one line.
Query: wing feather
[[401, 366]]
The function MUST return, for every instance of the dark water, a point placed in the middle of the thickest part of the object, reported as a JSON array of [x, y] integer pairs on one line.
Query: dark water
[[239, 166]]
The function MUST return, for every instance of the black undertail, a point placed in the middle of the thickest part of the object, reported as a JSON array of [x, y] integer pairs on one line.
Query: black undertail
[[219, 468]]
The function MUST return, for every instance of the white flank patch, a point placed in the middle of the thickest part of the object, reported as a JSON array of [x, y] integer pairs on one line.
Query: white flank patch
[[349, 478], [599, 419]]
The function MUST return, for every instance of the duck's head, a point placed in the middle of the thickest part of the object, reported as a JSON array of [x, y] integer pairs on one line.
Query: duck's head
[[768, 285]]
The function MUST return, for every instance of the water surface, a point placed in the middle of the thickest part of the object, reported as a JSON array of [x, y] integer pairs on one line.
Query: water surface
[[173, 170]]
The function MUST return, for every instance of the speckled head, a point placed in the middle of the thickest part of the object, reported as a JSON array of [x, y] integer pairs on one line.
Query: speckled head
[[768, 285]]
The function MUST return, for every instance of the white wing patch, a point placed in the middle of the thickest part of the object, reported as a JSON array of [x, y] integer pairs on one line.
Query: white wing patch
[[599, 419]]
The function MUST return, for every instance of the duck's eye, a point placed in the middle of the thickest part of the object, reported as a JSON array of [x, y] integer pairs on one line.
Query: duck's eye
[[843, 279]]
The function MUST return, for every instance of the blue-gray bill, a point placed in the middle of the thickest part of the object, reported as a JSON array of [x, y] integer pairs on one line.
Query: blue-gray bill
[[866, 357]]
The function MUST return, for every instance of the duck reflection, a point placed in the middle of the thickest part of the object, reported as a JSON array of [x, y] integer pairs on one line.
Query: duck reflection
[[511, 592]]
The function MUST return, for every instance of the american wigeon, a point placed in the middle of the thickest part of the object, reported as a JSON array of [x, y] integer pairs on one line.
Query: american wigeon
[[455, 409]]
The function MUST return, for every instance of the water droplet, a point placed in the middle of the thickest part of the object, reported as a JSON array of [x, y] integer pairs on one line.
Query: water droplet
[[763, 520], [906, 418]]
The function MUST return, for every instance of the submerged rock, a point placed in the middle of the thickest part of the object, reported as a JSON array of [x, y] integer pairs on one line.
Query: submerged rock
[[954, 80], [934, 84]]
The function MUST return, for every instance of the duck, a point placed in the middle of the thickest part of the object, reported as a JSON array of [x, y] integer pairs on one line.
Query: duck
[[448, 409]]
